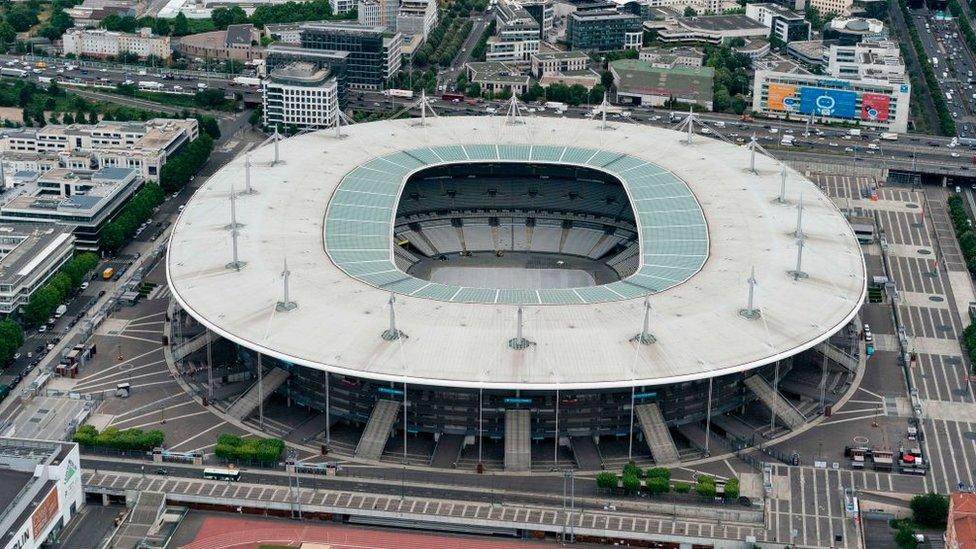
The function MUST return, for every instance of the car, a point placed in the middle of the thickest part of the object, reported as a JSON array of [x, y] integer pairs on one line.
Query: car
[[954, 155], [42, 328], [30, 354], [848, 149], [50, 346], [84, 286], [161, 471], [103, 70], [833, 145], [16, 356]]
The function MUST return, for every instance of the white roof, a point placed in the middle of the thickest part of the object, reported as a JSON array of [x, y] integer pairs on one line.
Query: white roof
[[339, 319]]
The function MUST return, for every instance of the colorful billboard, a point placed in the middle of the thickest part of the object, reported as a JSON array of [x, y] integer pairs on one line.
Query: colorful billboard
[[782, 97], [827, 102], [44, 513], [874, 107]]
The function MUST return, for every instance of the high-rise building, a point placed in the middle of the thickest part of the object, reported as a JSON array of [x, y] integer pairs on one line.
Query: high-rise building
[[516, 34], [374, 53], [543, 13], [342, 6], [603, 30], [379, 13], [784, 24], [300, 94], [417, 17]]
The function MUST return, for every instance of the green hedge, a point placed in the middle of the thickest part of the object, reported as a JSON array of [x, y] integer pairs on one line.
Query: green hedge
[[178, 170], [235, 448], [139, 208], [46, 299], [112, 437]]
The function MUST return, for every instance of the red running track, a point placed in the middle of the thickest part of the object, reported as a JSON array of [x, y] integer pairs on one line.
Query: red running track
[[239, 533]]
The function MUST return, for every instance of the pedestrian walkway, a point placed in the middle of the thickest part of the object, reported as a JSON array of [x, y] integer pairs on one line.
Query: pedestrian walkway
[[377, 430], [246, 403], [784, 411], [656, 434], [518, 444]]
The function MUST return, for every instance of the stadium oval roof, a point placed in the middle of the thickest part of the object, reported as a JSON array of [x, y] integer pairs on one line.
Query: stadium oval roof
[[339, 319]]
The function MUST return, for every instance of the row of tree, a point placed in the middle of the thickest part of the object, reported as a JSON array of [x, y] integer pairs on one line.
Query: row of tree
[[443, 43], [46, 299], [11, 338], [571, 95], [179, 168], [657, 480], [112, 437], [234, 448], [479, 50], [731, 84], [137, 210], [946, 124]]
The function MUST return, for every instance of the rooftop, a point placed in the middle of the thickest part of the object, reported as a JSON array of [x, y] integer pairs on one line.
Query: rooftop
[[583, 335], [720, 22], [34, 242], [637, 76]]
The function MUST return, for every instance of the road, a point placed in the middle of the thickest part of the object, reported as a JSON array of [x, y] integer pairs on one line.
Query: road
[[954, 67]]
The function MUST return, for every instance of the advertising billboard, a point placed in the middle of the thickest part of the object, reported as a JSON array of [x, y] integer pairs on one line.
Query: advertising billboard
[[827, 102], [44, 513], [874, 107], [782, 97]]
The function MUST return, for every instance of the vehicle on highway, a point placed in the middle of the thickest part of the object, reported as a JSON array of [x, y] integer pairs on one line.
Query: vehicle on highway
[[214, 473], [108, 273], [9, 71], [161, 471], [889, 136]]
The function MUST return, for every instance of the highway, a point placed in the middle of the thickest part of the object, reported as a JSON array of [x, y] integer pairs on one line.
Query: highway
[[832, 145]]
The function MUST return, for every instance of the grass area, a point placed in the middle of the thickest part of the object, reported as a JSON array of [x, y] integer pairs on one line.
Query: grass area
[[209, 100]]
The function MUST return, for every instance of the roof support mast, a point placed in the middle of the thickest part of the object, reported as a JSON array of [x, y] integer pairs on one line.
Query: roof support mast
[[751, 312]]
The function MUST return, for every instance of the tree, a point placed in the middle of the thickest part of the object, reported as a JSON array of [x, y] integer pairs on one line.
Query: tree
[[631, 483], [181, 26], [223, 17], [931, 510], [606, 480], [7, 33], [11, 338], [631, 469], [658, 485], [690, 11], [706, 486], [682, 487], [905, 536], [732, 488], [93, 117], [659, 472]]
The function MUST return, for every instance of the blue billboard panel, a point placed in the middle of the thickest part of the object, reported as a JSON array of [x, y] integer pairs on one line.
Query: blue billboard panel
[[827, 102]]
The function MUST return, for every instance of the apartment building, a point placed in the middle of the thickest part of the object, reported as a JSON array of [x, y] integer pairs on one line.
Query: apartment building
[[103, 43]]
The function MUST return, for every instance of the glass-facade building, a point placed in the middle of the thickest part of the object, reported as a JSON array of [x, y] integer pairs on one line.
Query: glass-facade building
[[374, 53], [603, 30]]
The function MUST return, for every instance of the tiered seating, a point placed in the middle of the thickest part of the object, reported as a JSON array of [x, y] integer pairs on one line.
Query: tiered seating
[[477, 236], [545, 238], [502, 234], [580, 240], [444, 237], [403, 258], [420, 243]]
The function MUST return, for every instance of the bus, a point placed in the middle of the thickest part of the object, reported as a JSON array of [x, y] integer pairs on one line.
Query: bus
[[8, 71], [222, 474], [453, 97]]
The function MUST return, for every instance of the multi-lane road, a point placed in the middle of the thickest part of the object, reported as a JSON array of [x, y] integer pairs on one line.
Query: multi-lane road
[[923, 153]]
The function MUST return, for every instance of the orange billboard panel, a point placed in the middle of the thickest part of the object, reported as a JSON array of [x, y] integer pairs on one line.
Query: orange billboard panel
[[782, 97]]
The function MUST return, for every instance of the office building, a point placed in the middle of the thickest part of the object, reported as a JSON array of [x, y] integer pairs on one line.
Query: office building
[[379, 13], [40, 490], [142, 146], [873, 59], [710, 29], [336, 61], [496, 77], [604, 30], [842, 8], [811, 52], [881, 103], [91, 13], [543, 12], [670, 58], [301, 95], [102, 43], [640, 83], [516, 36], [851, 30], [784, 24], [374, 53], [555, 62], [30, 254], [86, 201], [417, 17], [342, 6]]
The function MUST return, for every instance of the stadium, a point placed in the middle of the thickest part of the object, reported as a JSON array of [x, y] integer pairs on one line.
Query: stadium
[[522, 293]]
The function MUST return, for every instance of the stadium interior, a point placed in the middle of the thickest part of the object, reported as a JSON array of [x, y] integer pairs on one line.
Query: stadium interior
[[528, 225]]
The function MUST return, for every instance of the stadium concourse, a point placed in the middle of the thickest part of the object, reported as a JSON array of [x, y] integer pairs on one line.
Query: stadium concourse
[[472, 290]]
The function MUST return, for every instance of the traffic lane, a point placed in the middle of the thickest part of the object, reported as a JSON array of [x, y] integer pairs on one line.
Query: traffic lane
[[491, 488]]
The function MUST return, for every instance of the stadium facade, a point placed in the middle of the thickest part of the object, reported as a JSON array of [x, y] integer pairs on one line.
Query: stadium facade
[[547, 280]]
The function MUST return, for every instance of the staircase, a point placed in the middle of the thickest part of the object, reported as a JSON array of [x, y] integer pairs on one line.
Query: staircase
[[243, 406], [518, 443], [785, 412], [656, 434], [377, 431]]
